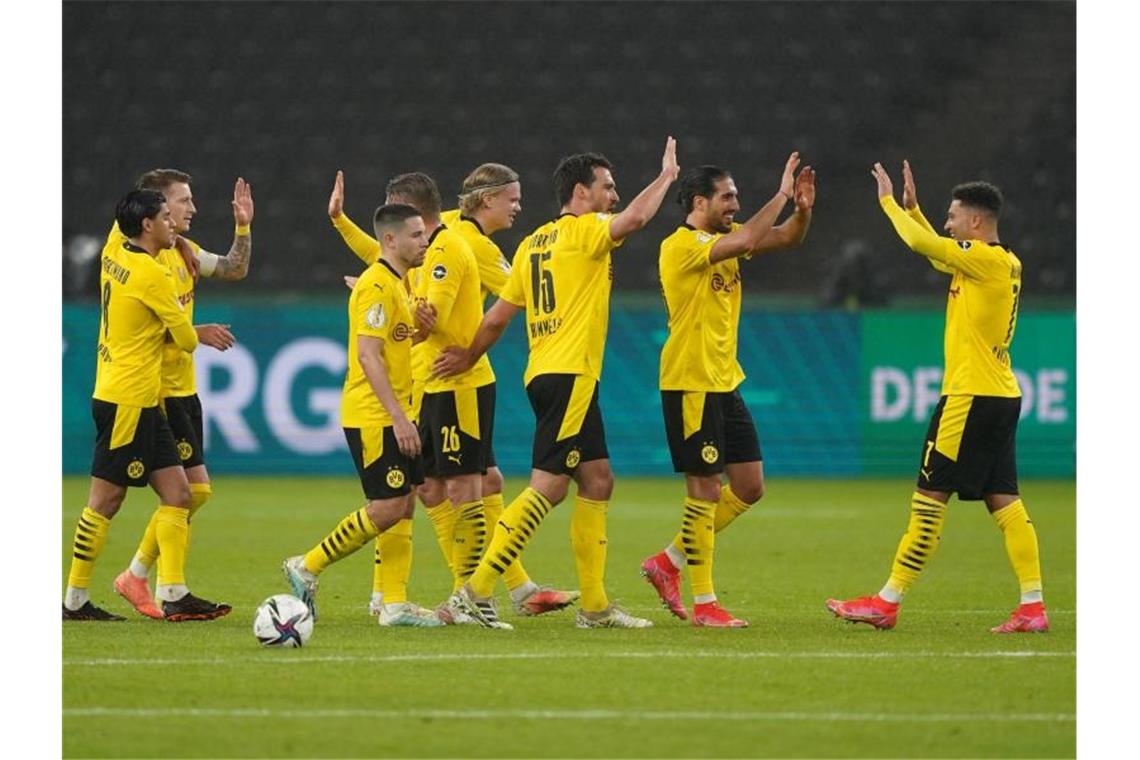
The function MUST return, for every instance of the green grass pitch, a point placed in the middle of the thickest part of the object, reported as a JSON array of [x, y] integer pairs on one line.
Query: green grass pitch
[[797, 683]]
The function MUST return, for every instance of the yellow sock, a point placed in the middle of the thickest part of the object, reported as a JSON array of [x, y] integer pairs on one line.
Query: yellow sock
[[728, 508], [515, 575], [90, 536], [147, 552], [470, 540], [698, 541], [1021, 545], [588, 538], [396, 549], [351, 533], [919, 542], [443, 517], [377, 568], [171, 531], [200, 493], [518, 523]]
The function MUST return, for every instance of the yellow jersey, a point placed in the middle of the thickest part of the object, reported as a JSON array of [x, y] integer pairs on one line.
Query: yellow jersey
[[981, 306], [449, 282], [703, 303], [494, 269], [379, 307], [562, 276], [138, 308], [177, 365]]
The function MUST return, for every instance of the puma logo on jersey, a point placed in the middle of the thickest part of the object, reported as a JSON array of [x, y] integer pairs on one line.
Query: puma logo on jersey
[[925, 473], [454, 458], [955, 291]]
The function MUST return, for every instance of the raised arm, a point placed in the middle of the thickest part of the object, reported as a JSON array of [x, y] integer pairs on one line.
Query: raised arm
[[751, 236], [369, 350], [455, 360], [644, 207], [910, 204], [235, 264], [366, 247]]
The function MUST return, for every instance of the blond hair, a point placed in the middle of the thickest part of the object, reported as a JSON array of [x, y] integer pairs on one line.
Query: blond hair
[[487, 180]]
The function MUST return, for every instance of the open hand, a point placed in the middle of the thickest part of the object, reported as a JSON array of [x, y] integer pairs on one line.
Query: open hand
[[407, 437], [886, 188], [669, 166], [805, 189], [910, 195], [452, 360], [243, 203], [215, 336], [788, 180], [336, 200]]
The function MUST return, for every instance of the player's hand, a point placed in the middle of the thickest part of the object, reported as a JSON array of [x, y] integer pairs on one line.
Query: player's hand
[[425, 317], [669, 167], [886, 188], [350, 281], [187, 254], [336, 200], [452, 360], [788, 179], [805, 189], [215, 336], [910, 195], [407, 437], [243, 203]]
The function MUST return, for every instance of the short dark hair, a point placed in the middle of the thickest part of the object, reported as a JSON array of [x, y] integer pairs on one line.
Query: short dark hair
[[575, 169], [136, 206], [392, 214], [699, 181], [417, 189], [979, 195], [160, 179]]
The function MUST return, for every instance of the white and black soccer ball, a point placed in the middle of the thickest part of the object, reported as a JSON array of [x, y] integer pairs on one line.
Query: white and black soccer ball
[[283, 620]]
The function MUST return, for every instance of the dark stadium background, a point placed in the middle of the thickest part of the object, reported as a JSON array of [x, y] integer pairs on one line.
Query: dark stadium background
[[285, 93]]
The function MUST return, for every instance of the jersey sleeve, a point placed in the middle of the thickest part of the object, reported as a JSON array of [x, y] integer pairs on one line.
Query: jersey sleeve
[[514, 290], [917, 215], [688, 253], [494, 269], [366, 247], [594, 230], [449, 268], [374, 310], [971, 258], [159, 296]]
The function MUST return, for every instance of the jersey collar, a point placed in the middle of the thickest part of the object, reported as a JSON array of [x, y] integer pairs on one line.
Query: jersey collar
[[390, 268], [134, 248], [474, 221], [435, 232]]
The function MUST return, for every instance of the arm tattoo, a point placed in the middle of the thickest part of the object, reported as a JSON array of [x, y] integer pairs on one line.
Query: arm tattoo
[[235, 264]]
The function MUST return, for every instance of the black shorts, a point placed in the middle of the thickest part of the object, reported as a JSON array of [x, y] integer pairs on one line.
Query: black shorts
[[969, 447], [385, 471], [456, 429], [719, 431], [568, 423], [184, 413], [131, 442]]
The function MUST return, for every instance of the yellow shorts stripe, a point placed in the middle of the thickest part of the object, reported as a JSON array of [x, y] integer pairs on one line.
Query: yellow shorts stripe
[[952, 425], [576, 410], [371, 444], [126, 424], [692, 411], [467, 411]]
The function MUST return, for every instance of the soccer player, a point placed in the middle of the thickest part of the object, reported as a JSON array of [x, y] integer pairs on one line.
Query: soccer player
[[490, 200], [969, 446], [179, 395], [709, 429], [376, 404], [134, 445], [562, 276]]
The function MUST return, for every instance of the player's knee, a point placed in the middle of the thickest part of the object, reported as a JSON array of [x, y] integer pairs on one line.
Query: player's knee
[[178, 496], [750, 492], [598, 485], [493, 481]]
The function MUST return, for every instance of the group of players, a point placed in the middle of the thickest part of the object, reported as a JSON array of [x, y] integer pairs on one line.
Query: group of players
[[419, 395]]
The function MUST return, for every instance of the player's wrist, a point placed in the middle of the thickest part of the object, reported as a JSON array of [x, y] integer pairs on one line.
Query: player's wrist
[[241, 229]]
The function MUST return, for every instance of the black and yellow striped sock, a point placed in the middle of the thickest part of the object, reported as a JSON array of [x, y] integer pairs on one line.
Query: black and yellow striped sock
[[515, 575], [351, 533], [396, 549], [90, 536], [698, 541], [443, 517], [919, 542], [517, 525], [470, 540], [1021, 547], [588, 539]]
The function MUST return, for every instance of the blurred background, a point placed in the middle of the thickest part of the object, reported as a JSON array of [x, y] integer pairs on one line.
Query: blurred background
[[841, 338]]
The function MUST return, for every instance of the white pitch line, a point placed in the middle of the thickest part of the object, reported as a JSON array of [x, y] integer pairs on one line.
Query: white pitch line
[[290, 658], [508, 714]]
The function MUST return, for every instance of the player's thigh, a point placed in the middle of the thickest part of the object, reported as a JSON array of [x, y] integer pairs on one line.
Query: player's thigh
[[385, 472], [184, 415], [131, 443], [171, 485], [455, 430], [694, 430], [595, 479], [568, 423]]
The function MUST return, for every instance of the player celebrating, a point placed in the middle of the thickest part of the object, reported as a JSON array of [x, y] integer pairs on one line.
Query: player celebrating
[[709, 429], [179, 396], [562, 277], [376, 403], [134, 445], [969, 447], [489, 202]]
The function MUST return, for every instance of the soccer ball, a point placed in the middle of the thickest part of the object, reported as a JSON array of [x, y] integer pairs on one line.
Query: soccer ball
[[283, 620]]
